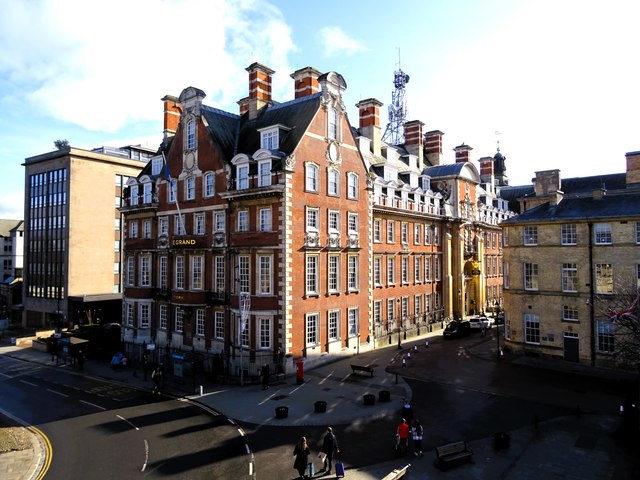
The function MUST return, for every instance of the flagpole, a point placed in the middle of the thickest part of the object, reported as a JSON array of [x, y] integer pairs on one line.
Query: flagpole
[[167, 176]]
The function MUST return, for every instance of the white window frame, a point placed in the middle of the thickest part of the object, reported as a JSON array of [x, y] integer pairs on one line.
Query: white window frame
[[570, 313], [333, 273], [333, 119], [391, 231], [312, 274], [190, 136], [312, 329], [163, 226], [244, 274], [131, 271], [264, 333], [530, 233], [603, 271], [531, 329], [218, 325], [144, 315], [311, 177], [377, 230], [190, 188], [171, 191], [242, 176], [265, 219], [200, 321], [352, 186], [602, 234], [179, 326], [219, 222], [219, 274], [163, 317], [197, 272], [209, 184], [264, 173], [568, 234], [265, 274], [353, 273], [133, 229], [377, 271], [391, 270], [333, 325], [133, 195], [179, 225], [312, 219], [243, 221], [270, 138], [145, 270], [569, 277], [199, 223], [179, 272], [147, 192], [333, 182], [531, 276], [352, 321]]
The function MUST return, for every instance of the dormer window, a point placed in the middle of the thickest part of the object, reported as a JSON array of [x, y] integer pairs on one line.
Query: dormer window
[[270, 139], [242, 176], [264, 173], [191, 134], [426, 183], [133, 195], [156, 165], [146, 192]]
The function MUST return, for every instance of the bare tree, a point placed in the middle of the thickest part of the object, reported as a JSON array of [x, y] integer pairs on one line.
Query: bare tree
[[623, 310]]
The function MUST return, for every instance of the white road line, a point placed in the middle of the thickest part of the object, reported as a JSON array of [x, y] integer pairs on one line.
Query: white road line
[[28, 383], [125, 420], [93, 405], [57, 393], [146, 455], [5, 375]]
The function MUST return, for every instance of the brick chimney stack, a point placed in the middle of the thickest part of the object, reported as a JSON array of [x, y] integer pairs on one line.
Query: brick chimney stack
[[172, 113], [462, 153], [433, 147], [413, 139], [306, 81], [369, 113], [259, 88], [633, 169], [486, 170]]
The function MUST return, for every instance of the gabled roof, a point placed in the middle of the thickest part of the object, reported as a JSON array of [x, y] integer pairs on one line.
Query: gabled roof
[[296, 115], [611, 206], [7, 226]]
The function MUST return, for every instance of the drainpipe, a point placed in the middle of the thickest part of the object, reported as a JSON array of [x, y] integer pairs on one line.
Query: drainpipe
[[592, 325]]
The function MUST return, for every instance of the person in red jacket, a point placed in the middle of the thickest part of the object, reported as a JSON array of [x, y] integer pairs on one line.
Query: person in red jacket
[[403, 437]]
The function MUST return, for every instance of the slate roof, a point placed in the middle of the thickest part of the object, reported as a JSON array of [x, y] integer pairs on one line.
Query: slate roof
[[616, 205], [444, 170], [6, 226]]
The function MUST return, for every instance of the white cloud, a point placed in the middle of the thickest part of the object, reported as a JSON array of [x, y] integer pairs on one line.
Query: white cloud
[[337, 42], [116, 60]]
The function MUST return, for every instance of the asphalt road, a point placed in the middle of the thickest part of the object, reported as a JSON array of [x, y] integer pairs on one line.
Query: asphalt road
[[456, 395], [106, 430]]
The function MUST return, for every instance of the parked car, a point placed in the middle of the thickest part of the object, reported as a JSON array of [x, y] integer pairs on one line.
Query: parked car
[[456, 329], [478, 322]]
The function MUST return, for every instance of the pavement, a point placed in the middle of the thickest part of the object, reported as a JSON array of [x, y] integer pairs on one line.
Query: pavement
[[572, 447]]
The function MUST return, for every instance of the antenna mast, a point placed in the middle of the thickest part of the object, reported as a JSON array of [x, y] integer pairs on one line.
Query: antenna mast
[[394, 134]]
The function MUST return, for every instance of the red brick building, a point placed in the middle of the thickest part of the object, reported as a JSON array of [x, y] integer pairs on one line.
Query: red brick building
[[271, 202]]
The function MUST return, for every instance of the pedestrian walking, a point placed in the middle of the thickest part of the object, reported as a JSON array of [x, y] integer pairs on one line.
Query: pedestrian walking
[[264, 373], [329, 447], [417, 438], [157, 376], [402, 435], [301, 452]]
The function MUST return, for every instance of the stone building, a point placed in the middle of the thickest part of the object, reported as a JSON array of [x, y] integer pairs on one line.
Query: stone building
[[568, 256]]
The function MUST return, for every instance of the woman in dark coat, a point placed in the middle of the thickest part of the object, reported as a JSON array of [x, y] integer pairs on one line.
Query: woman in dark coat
[[301, 453]]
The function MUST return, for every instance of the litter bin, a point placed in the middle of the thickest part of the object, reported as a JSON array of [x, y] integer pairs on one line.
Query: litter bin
[[384, 396], [501, 440], [320, 406], [282, 412], [369, 399]]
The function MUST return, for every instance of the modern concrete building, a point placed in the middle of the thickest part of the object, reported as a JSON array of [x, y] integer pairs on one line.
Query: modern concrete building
[[569, 256], [72, 238]]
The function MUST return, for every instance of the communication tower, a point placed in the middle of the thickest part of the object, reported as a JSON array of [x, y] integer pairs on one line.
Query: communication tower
[[394, 134]]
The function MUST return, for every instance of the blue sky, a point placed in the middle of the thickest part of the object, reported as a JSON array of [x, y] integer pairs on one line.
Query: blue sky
[[555, 81]]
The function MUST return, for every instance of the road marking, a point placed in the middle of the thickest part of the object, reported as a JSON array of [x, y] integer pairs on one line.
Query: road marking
[[93, 405], [28, 383], [146, 455], [5, 375], [57, 393], [125, 420]]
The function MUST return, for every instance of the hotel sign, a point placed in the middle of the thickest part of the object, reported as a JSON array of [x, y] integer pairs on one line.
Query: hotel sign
[[189, 242]]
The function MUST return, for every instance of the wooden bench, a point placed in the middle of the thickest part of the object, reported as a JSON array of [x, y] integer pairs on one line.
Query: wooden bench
[[453, 452], [362, 368]]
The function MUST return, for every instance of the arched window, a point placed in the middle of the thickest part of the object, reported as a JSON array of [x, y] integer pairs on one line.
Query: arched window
[[190, 189], [209, 185], [332, 131], [191, 134], [352, 186], [311, 184]]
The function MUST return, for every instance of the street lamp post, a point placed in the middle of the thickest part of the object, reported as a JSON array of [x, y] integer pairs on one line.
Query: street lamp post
[[399, 324]]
